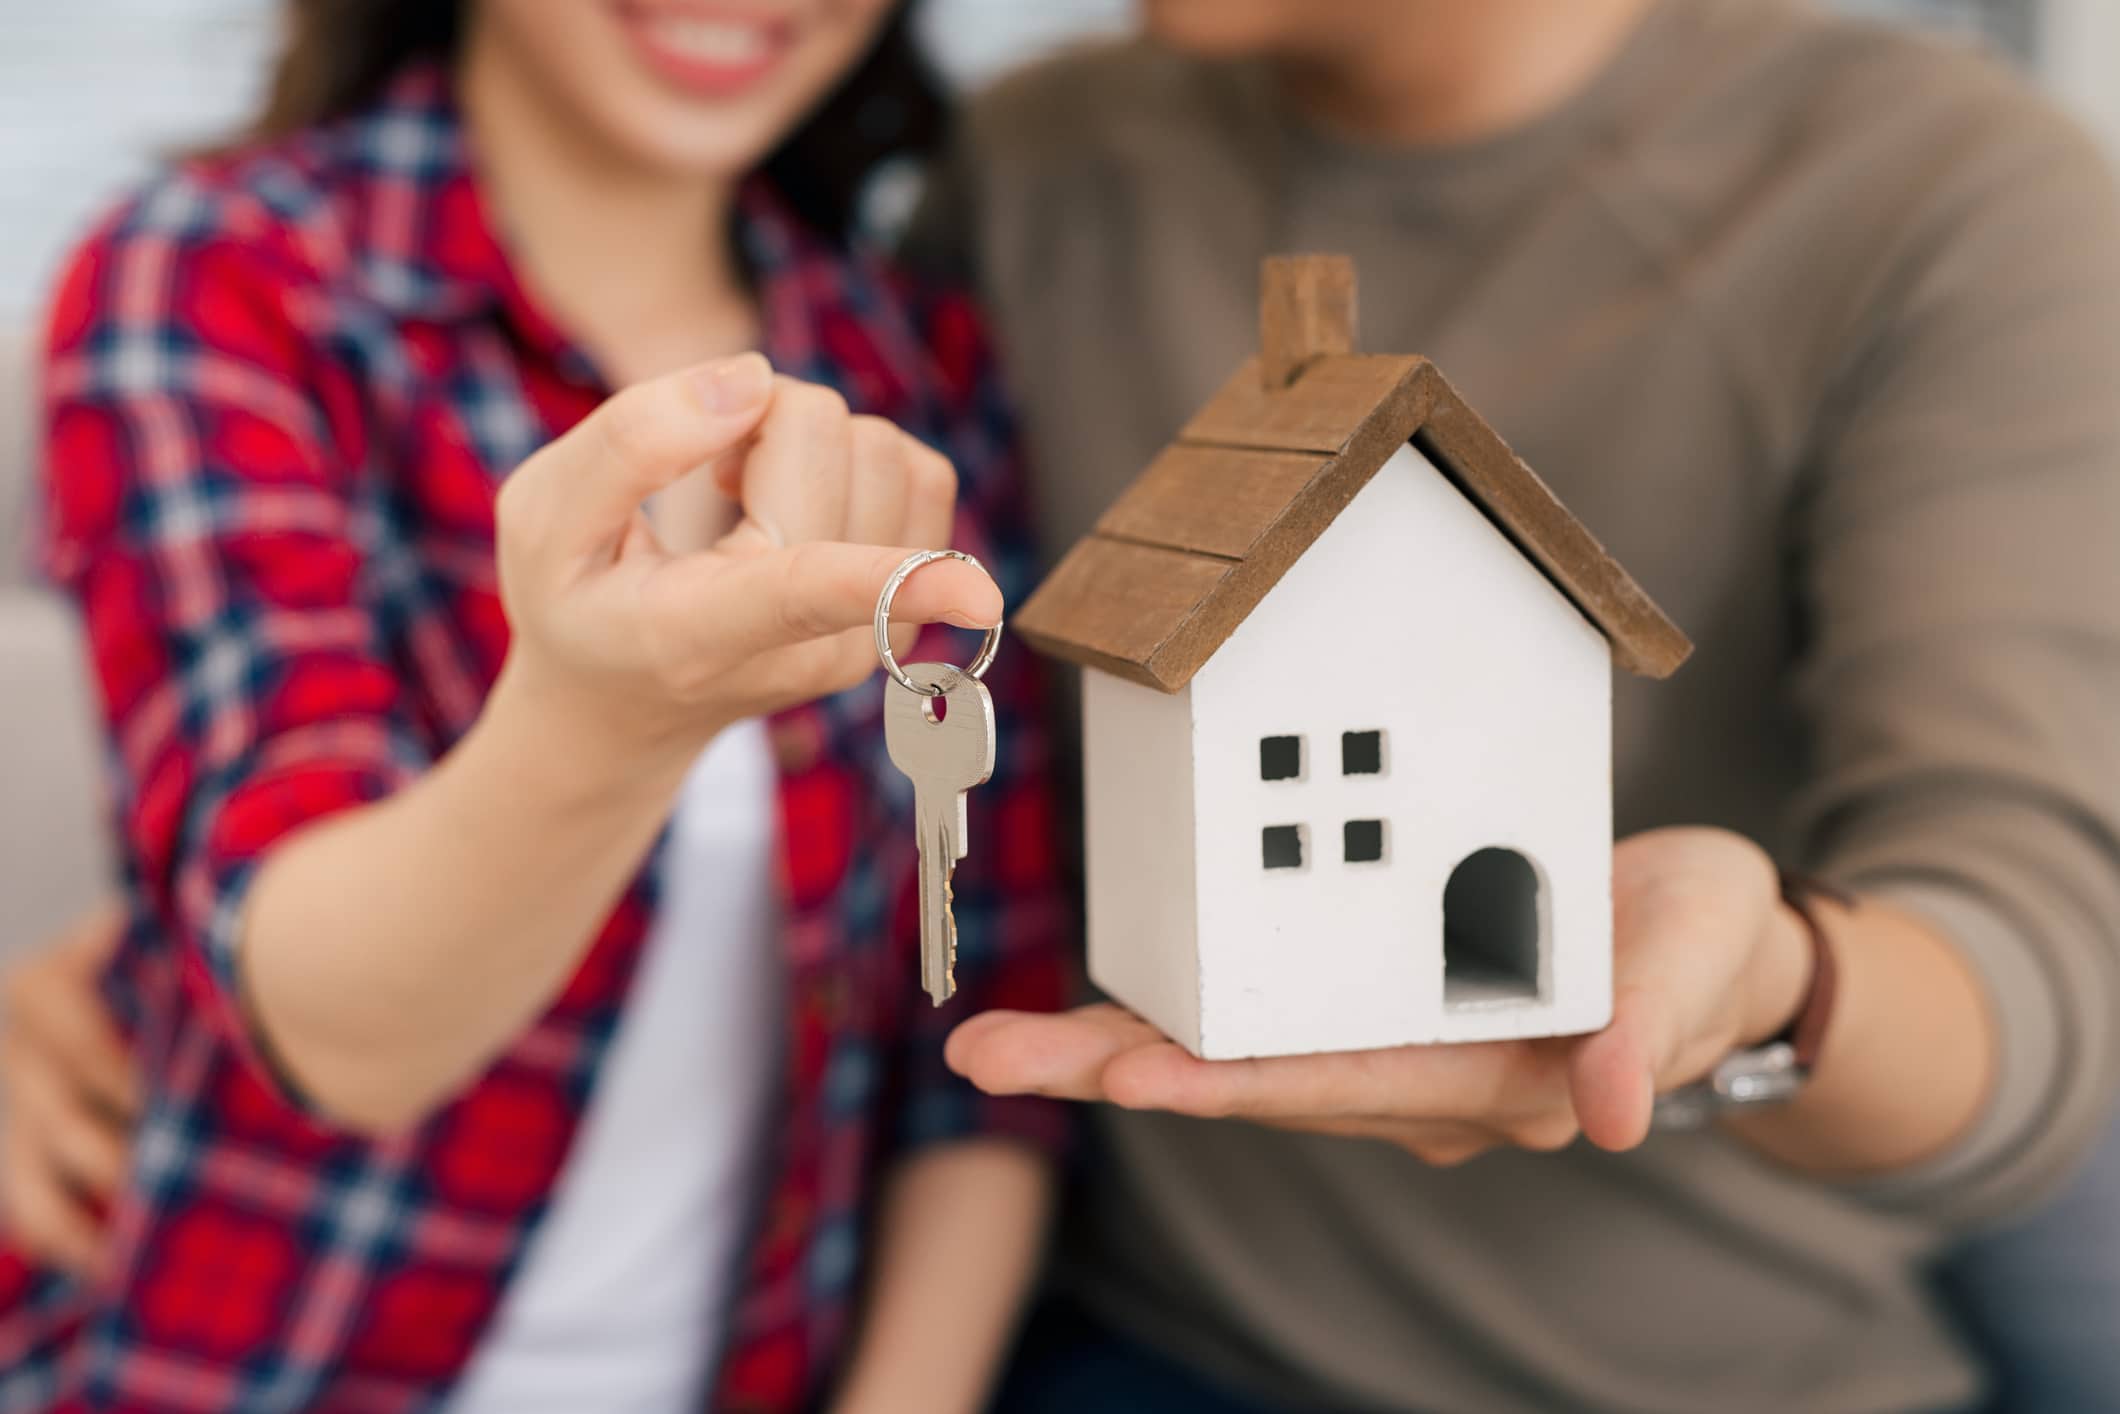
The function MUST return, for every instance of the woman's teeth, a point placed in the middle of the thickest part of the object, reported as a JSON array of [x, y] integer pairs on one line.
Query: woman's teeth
[[711, 41]]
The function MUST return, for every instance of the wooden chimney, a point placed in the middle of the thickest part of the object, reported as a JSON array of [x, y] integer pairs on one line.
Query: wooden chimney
[[1306, 310]]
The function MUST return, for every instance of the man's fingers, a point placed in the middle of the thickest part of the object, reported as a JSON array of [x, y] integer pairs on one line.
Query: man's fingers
[[580, 493], [1437, 1143], [794, 484], [92, 939], [1407, 1082], [43, 1214], [1611, 1081], [1680, 897], [86, 1143], [778, 598], [1063, 1055], [1105, 1052], [61, 1019]]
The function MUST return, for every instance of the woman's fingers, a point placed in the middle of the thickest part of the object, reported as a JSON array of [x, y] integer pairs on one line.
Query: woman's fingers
[[794, 483], [579, 494], [780, 598], [911, 500], [930, 497], [876, 484]]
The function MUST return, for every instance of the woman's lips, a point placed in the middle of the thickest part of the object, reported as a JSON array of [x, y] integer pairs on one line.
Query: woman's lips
[[709, 52]]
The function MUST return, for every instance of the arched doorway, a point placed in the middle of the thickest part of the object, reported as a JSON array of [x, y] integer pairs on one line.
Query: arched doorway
[[1495, 926]]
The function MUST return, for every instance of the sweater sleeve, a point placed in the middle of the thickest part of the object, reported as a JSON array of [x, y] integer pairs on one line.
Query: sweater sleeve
[[1957, 548]]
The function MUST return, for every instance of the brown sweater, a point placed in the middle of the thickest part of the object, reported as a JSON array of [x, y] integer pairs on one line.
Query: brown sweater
[[1817, 326]]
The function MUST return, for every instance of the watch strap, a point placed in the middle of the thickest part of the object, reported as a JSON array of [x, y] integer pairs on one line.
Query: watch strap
[[1806, 1031]]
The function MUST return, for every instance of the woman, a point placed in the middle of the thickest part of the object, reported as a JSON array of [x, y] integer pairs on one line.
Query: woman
[[449, 1098]]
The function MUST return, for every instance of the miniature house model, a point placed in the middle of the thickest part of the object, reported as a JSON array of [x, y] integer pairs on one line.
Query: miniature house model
[[1346, 712]]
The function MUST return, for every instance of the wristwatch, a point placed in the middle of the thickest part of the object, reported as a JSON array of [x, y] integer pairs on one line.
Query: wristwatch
[[1776, 1069]]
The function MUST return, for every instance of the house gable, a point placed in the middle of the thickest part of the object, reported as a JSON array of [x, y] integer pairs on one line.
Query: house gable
[[1479, 700]]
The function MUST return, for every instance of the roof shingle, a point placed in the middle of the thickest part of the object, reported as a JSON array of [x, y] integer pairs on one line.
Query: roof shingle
[[1203, 535]]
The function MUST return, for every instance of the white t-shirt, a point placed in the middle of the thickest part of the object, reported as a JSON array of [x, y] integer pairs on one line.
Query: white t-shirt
[[620, 1301]]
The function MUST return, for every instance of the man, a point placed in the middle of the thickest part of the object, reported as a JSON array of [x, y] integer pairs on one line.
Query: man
[[1817, 327]]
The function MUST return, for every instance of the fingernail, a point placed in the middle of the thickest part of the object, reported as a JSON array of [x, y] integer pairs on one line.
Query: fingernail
[[736, 384], [957, 620]]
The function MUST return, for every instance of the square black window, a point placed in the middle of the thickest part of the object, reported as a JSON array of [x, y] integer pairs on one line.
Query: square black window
[[1283, 846], [1280, 758], [1361, 753], [1364, 840]]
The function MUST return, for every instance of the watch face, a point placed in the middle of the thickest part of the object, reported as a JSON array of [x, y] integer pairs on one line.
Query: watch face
[[1758, 1075]]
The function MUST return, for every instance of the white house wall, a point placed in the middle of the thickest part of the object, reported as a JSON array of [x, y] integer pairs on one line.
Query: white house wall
[[1411, 614], [1138, 809]]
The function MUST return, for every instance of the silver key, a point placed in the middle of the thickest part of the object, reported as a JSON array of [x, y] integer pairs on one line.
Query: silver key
[[944, 750]]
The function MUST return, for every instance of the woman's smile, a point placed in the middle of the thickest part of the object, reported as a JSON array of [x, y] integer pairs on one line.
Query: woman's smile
[[709, 51]]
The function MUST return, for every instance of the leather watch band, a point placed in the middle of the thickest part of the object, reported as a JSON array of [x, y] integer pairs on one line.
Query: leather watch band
[[1806, 1031]]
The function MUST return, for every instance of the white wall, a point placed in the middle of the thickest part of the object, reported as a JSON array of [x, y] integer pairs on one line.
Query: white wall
[[2079, 60], [972, 40], [90, 91]]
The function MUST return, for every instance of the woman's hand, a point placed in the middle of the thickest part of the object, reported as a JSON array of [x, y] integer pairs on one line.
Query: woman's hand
[[645, 650], [68, 1096], [390, 951], [1707, 960]]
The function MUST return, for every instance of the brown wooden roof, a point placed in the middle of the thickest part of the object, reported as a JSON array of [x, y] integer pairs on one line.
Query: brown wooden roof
[[1201, 536]]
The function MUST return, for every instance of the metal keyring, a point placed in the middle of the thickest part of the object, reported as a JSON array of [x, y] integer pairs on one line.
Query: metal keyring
[[899, 576]]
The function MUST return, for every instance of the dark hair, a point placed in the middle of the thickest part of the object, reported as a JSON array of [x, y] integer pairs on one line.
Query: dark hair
[[340, 53]]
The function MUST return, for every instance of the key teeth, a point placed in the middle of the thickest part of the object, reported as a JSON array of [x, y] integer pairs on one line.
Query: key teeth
[[949, 964]]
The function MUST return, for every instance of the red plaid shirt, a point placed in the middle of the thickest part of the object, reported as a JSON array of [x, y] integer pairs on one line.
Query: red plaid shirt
[[283, 387]]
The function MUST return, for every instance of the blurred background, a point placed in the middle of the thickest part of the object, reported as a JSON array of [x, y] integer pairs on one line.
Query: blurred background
[[91, 91]]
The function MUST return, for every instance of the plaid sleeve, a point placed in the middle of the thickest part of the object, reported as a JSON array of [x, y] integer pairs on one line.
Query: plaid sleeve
[[199, 509], [1016, 917]]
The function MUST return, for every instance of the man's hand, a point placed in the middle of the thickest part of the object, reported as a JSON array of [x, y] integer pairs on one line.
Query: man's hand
[[68, 1095], [1707, 960]]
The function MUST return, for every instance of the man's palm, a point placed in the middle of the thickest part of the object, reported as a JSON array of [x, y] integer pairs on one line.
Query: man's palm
[[1691, 910]]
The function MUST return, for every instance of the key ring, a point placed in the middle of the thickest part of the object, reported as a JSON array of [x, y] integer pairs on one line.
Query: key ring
[[899, 576]]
